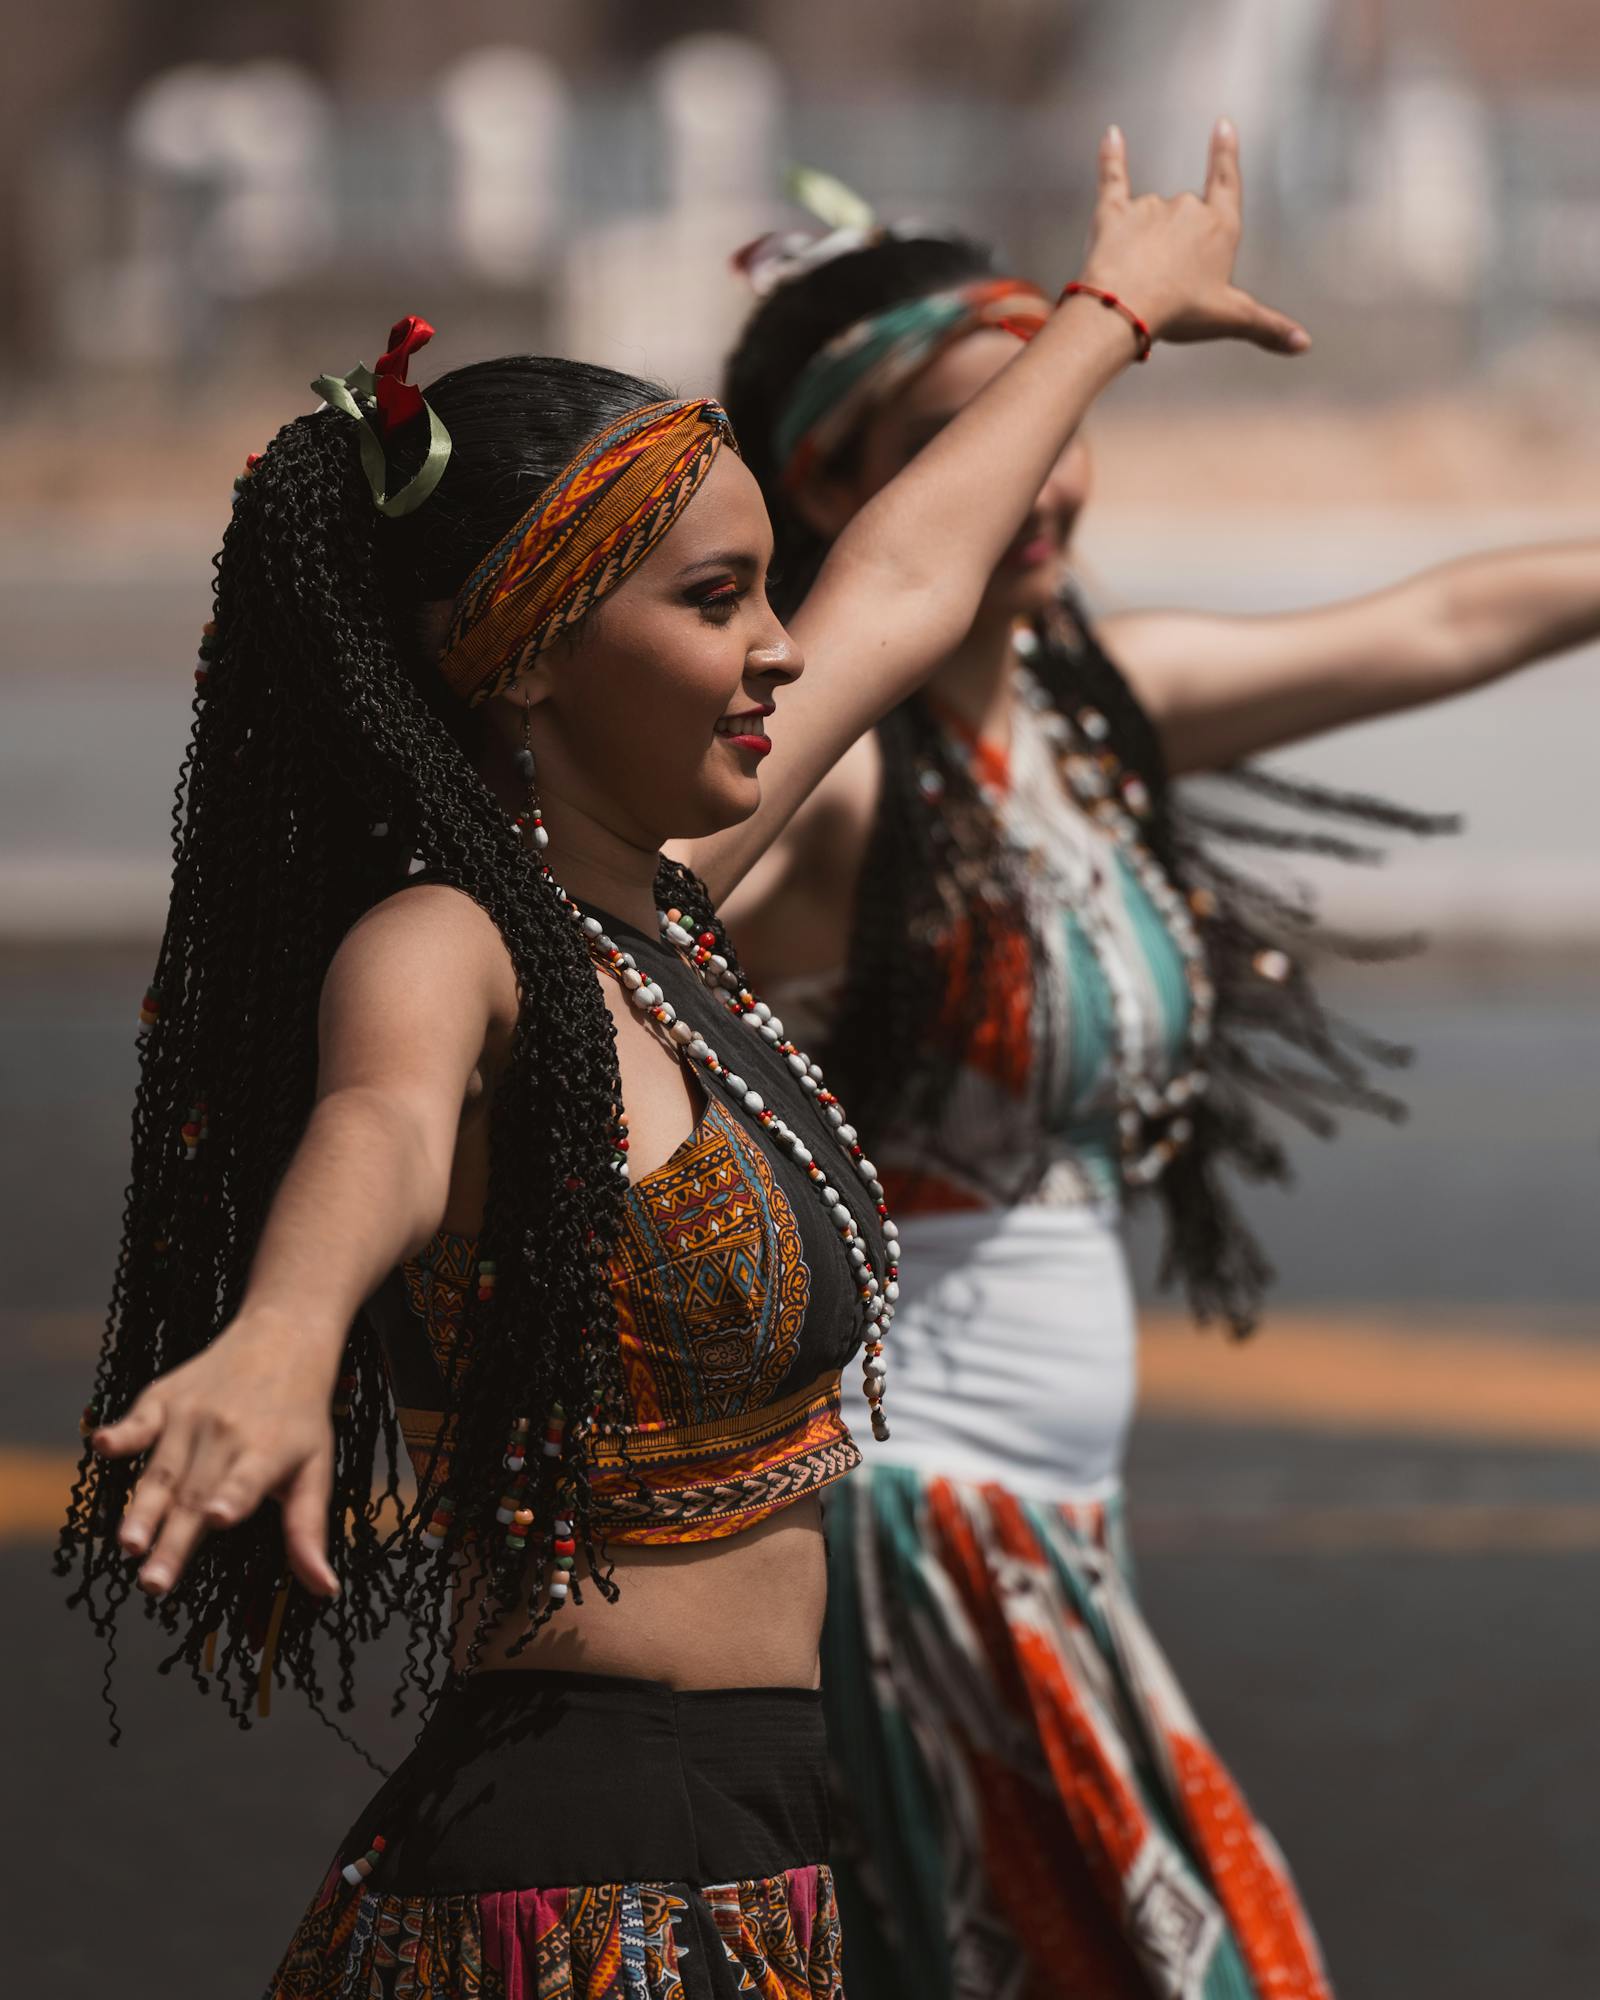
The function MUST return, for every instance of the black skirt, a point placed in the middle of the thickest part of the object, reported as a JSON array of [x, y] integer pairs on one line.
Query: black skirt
[[574, 1834]]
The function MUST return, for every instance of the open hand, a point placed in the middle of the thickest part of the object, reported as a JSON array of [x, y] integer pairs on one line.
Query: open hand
[[1172, 261], [237, 1424]]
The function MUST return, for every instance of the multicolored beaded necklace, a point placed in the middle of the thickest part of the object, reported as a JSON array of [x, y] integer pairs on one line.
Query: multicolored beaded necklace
[[1153, 1121], [876, 1295]]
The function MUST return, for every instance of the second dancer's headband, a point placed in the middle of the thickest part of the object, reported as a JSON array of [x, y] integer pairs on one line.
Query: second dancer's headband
[[860, 369]]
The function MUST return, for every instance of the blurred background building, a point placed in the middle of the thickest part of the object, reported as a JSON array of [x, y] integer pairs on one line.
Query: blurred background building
[[204, 205]]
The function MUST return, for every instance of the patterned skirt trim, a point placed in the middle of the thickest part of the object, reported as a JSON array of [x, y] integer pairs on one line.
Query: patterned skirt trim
[[1032, 1809], [777, 1938], [692, 1826]]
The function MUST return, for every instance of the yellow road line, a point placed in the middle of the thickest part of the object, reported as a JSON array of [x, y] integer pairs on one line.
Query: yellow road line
[[1385, 1372], [33, 1492], [1429, 1528]]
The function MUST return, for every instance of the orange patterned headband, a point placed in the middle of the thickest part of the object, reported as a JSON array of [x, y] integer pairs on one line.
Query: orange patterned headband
[[599, 519]]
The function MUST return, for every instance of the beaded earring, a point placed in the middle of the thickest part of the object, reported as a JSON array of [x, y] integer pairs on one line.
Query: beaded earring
[[528, 771]]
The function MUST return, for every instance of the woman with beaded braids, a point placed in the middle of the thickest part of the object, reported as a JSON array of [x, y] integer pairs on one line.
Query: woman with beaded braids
[[474, 660], [1035, 989]]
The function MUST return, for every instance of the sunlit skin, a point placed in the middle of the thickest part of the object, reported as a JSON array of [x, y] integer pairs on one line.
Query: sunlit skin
[[650, 722], [630, 720]]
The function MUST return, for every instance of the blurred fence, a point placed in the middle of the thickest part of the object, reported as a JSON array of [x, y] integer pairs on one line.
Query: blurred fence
[[1441, 221]]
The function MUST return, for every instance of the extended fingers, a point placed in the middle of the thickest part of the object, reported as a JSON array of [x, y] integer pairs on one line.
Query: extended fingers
[[305, 1526], [238, 1492], [213, 1449], [1113, 166], [131, 1434], [1224, 182], [181, 1531], [157, 1488]]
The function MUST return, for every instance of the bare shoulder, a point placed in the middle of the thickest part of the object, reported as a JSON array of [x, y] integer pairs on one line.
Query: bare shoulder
[[432, 942]]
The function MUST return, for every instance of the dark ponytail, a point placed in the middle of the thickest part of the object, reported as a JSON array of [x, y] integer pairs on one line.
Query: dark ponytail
[[326, 764]]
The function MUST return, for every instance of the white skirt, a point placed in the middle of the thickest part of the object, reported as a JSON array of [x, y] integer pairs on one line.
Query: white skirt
[[1012, 1354]]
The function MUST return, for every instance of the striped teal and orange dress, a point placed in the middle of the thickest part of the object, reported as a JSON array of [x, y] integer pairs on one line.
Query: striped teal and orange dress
[[1032, 1808]]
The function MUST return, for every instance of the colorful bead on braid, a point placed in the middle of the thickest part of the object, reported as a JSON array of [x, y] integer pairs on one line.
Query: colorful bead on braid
[[149, 1012], [517, 1446], [194, 1129], [555, 1431], [433, 1535], [356, 1872], [485, 1281], [564, 1559], [510, 1501], [207, 653], [519, 1530], [562, 1545]]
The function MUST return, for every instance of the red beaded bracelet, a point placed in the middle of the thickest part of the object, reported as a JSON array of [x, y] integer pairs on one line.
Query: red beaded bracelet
[[1112, 303]]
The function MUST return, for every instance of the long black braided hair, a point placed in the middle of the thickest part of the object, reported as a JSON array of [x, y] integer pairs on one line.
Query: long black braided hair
[[938, 873], [328, 765]]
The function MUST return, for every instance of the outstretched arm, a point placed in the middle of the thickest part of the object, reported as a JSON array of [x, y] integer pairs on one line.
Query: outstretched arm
[[405, 1010], [902, 583], [1220, 689]]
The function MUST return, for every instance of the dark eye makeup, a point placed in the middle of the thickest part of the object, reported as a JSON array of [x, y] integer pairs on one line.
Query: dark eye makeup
[[718, 600]]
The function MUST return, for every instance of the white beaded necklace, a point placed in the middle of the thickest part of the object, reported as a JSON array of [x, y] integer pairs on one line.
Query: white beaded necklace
[[876, 1296]]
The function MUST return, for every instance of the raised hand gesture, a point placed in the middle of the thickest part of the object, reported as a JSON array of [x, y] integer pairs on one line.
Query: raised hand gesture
[[1171, 261]]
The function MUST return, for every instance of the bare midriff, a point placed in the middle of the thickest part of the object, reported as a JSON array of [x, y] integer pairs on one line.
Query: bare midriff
[[742, 1611]]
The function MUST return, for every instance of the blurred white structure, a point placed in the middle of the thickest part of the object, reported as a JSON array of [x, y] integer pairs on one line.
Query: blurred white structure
[[1432, 196], [228, 198], [653, 293], [506, 114], [1167, 72]]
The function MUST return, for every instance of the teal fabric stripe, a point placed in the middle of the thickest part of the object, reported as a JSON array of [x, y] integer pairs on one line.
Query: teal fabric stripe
[[893, 1800], [1090, 1128], [1226, 1976], [1090, 1020], [1161, 955], [830, 375], [893, 1796], [1090, 1050]]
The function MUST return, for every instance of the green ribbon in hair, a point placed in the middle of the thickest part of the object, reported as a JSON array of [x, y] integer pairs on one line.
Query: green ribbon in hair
[[357, 395]]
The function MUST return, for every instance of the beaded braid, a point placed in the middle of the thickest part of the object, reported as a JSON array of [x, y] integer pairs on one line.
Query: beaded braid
[[934, 843], [323, 769]]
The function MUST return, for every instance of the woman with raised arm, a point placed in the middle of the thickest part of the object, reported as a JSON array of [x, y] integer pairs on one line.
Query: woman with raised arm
[[456, 1121], [1036, 991]]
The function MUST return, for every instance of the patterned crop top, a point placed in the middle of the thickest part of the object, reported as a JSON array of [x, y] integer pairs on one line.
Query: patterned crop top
[[735, 1308], [1029, 1112]]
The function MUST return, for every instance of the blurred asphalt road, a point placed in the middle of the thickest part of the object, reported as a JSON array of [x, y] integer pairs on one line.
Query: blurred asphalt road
[[1374, 1559], [1371, 1543]]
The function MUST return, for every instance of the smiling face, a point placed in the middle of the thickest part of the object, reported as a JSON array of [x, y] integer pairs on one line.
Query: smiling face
[[653, 719], [1029, 573]]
